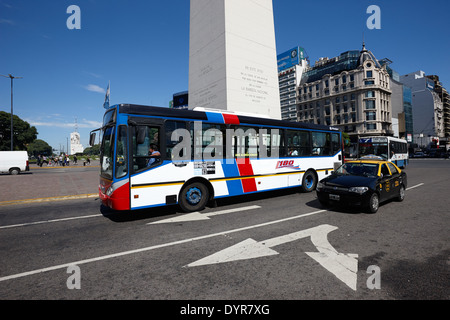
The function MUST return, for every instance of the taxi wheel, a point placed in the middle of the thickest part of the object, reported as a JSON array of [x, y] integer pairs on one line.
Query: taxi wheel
[[374, 203], [401, 194]]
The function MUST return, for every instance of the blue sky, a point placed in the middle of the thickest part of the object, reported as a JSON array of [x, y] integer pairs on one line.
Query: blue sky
[[142, 48]]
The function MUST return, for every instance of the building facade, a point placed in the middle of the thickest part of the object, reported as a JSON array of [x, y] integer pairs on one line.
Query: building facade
[[430, 105], [291, 65], [75, 143], [351, 91]]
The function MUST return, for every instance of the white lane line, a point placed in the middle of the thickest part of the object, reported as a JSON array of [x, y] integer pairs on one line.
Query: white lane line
[[115, 255], [198, 216], [416, 186], [49, 221]]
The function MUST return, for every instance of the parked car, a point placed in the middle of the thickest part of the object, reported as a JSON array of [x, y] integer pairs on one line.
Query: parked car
[[419, 154], [363, 183], [438, 153], [14, 162]]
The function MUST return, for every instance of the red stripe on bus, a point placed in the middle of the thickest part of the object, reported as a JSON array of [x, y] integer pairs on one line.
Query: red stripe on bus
[[231, 118], [246, 169]]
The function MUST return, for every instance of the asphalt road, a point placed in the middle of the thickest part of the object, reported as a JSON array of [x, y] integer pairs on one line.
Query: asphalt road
[[273, 246]]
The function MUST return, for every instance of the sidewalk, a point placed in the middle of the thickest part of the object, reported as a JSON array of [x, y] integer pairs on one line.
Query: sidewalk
[[64, 182]]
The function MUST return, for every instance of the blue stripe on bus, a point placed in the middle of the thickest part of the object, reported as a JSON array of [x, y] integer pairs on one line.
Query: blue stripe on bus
[[215, 117], [231, 170]]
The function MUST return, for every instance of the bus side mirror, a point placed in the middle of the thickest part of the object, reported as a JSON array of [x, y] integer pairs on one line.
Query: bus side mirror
[[141, 135], [92, 139]]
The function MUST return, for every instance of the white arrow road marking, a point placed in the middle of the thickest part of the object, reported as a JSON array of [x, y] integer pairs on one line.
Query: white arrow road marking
[[159, 246], [343, 266], [197, 216]]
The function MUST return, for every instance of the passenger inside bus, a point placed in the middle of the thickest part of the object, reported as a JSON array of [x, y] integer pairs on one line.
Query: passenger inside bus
[[154, 154]]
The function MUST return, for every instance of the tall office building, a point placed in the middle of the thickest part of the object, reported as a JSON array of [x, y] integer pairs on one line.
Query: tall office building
[[291, 65], [431, 107], [232, 57]]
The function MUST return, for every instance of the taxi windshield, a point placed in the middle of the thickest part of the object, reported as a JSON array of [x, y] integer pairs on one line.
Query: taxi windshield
[[358, 169]]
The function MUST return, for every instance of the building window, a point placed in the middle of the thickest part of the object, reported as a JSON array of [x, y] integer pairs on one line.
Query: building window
[[370, 104], [371, 126], [344, 79], [371, 115], [352, 77], [369, 83], [370, 94], [369, 74], [336, 81]]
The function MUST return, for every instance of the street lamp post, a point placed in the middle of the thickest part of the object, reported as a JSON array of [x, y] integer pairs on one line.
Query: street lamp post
[[12, 126]]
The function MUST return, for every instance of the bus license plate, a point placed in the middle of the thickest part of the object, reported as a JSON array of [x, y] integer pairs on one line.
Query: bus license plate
[[334, 197]]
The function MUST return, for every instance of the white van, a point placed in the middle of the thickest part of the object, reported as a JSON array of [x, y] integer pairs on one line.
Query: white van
[[14, 162]]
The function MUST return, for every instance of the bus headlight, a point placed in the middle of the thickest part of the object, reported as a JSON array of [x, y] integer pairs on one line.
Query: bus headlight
[[110, 191], [359, 190]]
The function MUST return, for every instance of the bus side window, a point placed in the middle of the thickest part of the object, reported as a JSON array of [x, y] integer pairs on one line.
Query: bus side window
[[170, 127], [335, 142], [298, 143], [141, 145], [321, 144]]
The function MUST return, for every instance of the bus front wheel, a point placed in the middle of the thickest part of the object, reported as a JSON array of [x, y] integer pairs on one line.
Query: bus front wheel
[[193, 197]]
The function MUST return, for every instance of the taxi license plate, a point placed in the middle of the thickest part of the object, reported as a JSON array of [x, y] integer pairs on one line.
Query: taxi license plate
[[334, 197]]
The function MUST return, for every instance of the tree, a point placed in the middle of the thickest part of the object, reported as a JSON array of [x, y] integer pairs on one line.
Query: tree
[[24, 134], [39, 147], [94, 150], [346, 138]]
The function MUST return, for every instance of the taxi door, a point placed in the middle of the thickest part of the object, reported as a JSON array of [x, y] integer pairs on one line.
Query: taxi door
[[387, 184], [395, 179]]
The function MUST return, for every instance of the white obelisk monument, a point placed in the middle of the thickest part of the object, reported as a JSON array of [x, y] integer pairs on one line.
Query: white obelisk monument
[[232, 57]]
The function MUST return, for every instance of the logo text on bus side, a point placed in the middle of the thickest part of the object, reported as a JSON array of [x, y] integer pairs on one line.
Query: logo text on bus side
[[287, 164]]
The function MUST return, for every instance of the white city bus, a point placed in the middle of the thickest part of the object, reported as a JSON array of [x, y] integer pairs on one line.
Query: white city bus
[[389, 148], [152, 156]]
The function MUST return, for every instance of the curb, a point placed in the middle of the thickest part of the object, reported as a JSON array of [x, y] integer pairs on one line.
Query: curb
[[50, 199]]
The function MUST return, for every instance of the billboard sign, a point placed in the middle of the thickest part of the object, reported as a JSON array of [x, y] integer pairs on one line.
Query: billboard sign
[[290, 58]]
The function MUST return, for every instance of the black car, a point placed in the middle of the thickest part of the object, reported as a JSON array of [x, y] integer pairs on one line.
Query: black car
[[364, 183]]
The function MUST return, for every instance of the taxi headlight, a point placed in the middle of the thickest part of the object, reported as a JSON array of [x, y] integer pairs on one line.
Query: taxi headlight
[[319, 186], [359, 190]]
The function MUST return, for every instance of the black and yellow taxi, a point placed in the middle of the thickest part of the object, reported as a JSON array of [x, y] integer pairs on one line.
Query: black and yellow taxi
[[365, 182]]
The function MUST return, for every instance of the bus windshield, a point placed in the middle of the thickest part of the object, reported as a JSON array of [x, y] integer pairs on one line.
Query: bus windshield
[[107, 155], [371, 148]]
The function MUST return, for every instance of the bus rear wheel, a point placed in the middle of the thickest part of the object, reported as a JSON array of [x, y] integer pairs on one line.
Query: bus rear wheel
[[193, 197], [309, 181]]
